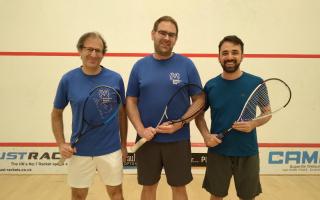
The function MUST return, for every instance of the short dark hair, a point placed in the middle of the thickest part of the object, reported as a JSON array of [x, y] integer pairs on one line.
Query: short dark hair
[[166, 19], [85, 36], [233, 39]]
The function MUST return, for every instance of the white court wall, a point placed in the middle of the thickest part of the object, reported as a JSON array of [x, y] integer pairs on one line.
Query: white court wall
[[28, 83]]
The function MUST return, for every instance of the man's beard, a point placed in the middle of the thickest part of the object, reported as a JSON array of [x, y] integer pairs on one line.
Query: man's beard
[[230, 69], [161, 52]]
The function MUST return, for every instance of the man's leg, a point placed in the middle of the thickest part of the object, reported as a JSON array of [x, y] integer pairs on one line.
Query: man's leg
[[179, 193], [177, 166], [215, 198], [115, 192], [81, 171], [149, 166], [149, 192], [79, 193]]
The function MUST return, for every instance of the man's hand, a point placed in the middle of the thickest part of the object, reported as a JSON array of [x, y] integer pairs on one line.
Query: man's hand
[[66, 150], [211, 140], [168, 127], [244, 126], [147, 133], [124, 152]]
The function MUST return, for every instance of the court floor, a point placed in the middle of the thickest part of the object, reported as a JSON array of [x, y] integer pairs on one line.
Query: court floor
[[53, 187]]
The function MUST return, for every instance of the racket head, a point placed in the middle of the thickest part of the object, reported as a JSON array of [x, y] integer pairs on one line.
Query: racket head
[[100, 107], [269, 97], [179, 107]]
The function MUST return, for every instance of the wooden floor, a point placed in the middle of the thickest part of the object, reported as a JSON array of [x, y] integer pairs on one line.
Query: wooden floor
[[53, 187]]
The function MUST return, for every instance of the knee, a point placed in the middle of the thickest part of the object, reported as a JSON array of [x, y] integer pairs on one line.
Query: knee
[[116, 196], [150, 188], [115, 192], [178, 189], [215, 198], [79, 195]]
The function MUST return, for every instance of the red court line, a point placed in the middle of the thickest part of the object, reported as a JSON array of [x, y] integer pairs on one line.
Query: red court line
[[27, 144], [191, 55], [69, 54], [51, 144], [282, 55], [304, 145]]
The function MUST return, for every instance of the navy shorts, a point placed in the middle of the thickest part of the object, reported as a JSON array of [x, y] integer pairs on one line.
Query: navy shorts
[[245, 171], [173, 157]]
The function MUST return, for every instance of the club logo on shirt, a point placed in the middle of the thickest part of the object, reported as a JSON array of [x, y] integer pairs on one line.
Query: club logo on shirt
[[175, 78], [104, 96]]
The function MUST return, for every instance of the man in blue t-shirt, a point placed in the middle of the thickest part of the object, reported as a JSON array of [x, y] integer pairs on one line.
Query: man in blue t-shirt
[[101, 148], [153, 80], [236, 154]]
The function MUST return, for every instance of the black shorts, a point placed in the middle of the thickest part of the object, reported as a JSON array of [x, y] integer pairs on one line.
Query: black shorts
[[174, 157], [245, 171]]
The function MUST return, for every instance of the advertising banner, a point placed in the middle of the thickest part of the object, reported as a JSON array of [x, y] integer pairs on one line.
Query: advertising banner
[[273, 160]]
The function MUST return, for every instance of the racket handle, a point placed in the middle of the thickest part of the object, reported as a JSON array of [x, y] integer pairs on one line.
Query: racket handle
[[220, 136], [223, 134], [137, 145], [61, 161]]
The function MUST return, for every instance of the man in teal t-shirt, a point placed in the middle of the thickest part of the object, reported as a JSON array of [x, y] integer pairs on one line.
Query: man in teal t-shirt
[[237, 153]]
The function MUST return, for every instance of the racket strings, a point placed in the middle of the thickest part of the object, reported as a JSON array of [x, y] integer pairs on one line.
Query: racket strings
[[269, 97], [180, 107], [194, 109], [106, 104], [257, 102], [100, 105]]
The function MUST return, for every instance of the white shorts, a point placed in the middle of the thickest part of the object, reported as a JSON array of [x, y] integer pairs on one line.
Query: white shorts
[[82, 169]]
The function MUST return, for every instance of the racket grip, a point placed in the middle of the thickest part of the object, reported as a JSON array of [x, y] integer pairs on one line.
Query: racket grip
[[61, 161], [220, 136], [137, 145]]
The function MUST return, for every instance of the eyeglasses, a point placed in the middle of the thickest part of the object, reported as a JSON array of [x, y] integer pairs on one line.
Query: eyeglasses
[[165, 34], [90, 50]]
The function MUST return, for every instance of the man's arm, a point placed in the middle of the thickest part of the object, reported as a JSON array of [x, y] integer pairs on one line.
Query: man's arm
[[198, 102], [209, 139], [248, 126], [123, 126], [134, 117], [57, 128], [57, 125]]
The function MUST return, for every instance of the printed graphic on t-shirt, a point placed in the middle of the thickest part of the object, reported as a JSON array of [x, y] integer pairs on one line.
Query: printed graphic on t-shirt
[[175, 78]]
